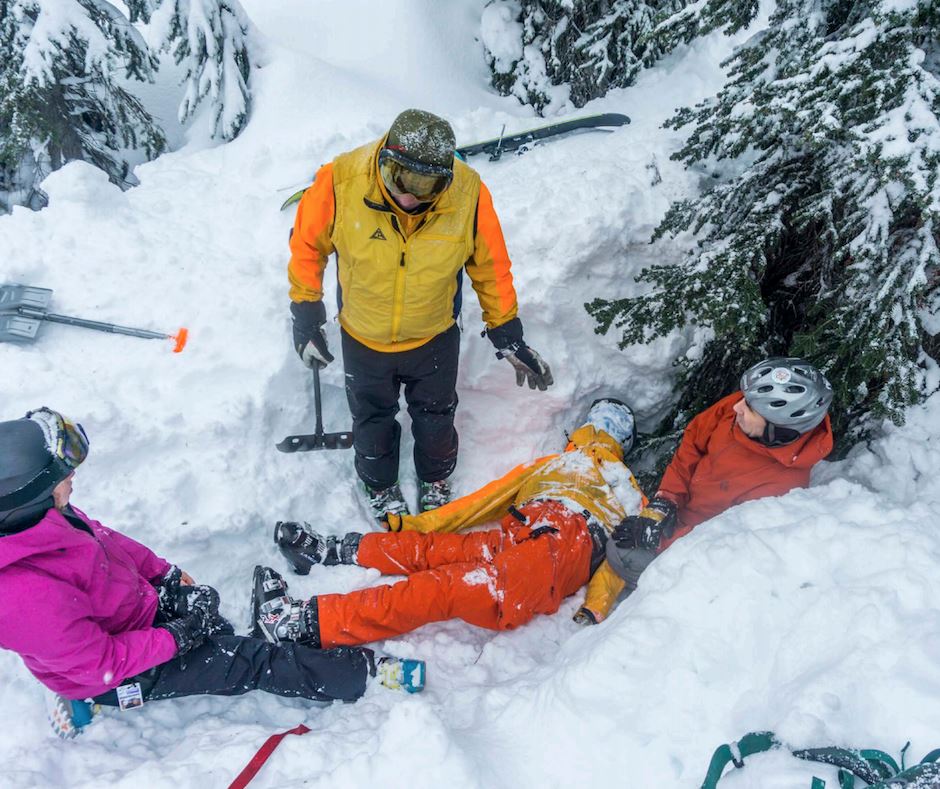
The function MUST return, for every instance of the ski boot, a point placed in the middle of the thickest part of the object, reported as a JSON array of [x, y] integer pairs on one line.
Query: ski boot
[[405, 674], [432, 495], [385, 502], [277, 617], [303, 547], [69, 718], [267, 586]]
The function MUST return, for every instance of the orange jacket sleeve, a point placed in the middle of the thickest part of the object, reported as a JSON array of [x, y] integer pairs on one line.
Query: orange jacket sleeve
[[694, 445], [489, 268], [310, 245]]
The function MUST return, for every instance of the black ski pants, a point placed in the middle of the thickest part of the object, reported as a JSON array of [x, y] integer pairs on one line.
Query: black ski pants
[[373, 385], [231, 665]]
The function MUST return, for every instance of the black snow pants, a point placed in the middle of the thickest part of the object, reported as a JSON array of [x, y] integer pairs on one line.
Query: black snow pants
[[231, 665], [373, 384]]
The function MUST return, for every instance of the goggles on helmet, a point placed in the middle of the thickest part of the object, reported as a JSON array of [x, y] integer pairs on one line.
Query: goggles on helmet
[[67, 446], [422, 181], [65, 439]]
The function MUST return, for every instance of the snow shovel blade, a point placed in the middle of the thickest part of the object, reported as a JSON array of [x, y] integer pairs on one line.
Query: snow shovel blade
[[315, 441], [15, 327], [18, 328], [12, 297]]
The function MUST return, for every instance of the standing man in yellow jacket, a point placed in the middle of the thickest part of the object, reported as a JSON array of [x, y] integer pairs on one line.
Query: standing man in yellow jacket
[[405, 219]]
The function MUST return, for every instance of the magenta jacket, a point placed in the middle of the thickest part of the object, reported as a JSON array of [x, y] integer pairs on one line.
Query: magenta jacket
[[79, 607]]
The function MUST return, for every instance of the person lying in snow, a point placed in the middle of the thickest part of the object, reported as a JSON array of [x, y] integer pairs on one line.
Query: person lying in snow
[[556, 513], [760, 441], [94, 614]]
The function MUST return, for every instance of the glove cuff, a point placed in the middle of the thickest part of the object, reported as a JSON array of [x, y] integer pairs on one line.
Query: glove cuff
[[659, 509], [506, 338], [309, 314]]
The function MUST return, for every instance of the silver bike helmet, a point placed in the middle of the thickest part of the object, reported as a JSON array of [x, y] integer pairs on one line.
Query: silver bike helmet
[[788, 392]]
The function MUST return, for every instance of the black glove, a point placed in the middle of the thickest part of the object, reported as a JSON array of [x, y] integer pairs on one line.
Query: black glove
[[197, 610], [192, 597], [168, 589], [646, 530], [309, 336], [629, 563], [529, 366]]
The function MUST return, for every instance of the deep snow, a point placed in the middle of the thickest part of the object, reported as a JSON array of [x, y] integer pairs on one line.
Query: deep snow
[[814, 614]]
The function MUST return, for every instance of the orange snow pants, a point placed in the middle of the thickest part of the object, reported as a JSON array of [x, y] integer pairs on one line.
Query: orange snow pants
[[497, 579]]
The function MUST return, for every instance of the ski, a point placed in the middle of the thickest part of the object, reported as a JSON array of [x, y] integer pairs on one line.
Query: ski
[[520, 142]]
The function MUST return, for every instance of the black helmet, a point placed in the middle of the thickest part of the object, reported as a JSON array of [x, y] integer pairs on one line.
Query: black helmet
[[788, 392], [36, 453]]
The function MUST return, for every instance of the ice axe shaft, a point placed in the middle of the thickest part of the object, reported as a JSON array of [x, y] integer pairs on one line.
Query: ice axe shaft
[[319, 439]]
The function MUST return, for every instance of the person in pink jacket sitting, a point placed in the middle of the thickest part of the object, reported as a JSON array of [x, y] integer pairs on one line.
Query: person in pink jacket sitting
[[95, 615]]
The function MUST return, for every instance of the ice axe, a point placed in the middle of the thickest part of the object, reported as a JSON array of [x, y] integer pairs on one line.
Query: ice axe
[[319, 439], [23, 309]]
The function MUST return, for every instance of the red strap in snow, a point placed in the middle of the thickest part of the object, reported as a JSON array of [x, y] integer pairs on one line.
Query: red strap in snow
[[264, 752]]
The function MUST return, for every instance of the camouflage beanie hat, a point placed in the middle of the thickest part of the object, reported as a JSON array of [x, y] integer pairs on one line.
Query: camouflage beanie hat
[[422, 137]]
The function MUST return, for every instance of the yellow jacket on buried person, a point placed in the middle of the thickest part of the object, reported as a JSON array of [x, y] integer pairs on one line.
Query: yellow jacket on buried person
[[589, 477]]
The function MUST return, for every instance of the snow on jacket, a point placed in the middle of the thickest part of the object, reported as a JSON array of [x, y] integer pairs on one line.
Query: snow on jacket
[[78, 606], [717, 465], [398, 290], [589, 476]]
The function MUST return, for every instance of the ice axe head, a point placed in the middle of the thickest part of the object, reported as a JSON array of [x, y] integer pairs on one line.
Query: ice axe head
[[315, 441]]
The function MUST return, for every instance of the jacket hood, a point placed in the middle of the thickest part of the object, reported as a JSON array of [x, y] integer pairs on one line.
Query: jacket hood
[[588, 436], [45, 537], [805, 452]]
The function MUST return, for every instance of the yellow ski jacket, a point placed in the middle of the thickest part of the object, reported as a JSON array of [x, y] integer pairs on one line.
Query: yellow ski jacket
[[397, 290]]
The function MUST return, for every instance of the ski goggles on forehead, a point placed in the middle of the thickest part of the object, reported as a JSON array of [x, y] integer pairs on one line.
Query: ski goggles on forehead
[[405, 176], [66, 440]]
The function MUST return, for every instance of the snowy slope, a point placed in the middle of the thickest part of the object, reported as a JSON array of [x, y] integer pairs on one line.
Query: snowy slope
[[814, 614]]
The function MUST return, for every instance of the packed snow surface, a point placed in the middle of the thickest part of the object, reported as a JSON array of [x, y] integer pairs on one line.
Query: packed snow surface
[[814, 615]]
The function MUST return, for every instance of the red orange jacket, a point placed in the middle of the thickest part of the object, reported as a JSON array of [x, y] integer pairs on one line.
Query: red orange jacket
[[717, 466]]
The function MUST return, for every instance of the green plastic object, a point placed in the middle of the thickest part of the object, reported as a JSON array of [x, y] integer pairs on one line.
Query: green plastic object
[[925, 775], [876, 768], [749, 744]]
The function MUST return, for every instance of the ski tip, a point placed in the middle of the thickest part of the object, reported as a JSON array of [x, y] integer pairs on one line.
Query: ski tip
[[294, 198], [181, 338]]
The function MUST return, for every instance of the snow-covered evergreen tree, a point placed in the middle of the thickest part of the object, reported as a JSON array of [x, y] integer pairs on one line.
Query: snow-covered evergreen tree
[[211, 38], [589, 46], [62, 65], [823, 238]]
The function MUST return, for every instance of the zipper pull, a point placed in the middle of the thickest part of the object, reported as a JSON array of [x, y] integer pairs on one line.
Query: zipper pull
[[402, 264]]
